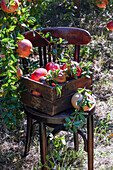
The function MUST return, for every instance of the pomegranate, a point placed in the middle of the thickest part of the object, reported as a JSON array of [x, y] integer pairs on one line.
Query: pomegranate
[[110, 25], [19, 73], [102, 3], [36, 93], [91, 99], [8, 7], [77, 97], [72, 63], [24, 48], [61, 78], [38, 73], [52, 66]]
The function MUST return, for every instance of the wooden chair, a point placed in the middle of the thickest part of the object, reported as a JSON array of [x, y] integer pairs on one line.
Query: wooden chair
[[76, 37]]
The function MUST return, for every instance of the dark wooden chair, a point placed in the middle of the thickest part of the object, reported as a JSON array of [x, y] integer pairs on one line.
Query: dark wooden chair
[[76, 37]]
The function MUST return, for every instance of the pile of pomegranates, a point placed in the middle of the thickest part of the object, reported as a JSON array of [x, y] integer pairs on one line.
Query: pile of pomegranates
[[54, 74]]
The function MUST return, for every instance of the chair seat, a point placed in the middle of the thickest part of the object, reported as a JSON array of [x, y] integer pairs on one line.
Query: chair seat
[[56, 119]]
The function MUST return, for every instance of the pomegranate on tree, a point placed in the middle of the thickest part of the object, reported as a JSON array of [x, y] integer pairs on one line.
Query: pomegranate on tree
[[102, 3], [24, 48], [38, 73], [52, 66], [19, 73], [110, 25], [9, 6]]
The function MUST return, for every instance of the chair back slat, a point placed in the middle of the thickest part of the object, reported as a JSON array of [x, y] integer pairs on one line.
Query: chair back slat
[[40, 56], [77, 53], [75, 36], [49, 55], [45, 57]]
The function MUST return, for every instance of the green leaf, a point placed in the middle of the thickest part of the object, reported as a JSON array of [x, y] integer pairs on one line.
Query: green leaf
[[82, 117], [80, 90], [89, 104], [19, 37], [13, 57], [13, 88], [67, 119], [9, 73], [60, 40], [77, 123], [47, 157], [63, 60], [13, 68], [47, 35], [5, 40], [12, 28], [52, 164]]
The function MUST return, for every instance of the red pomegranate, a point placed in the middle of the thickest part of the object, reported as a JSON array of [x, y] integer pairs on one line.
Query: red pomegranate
[[72, 64], [110, 25], [36, 93], [102, 3], [24, 48], [61, 78], [9, 8], [38, 73], [52, 66]]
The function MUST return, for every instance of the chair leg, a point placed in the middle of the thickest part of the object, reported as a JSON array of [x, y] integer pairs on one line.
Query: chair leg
[[76, 142], [43, 144], [90, 133], [28, 135]]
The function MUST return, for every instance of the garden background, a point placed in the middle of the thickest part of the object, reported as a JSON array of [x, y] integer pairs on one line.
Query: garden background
[[37, 14]]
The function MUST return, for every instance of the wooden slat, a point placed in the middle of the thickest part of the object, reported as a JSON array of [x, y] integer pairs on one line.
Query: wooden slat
[[45, 57], [25, 65], [77, 53], [46, 91], [49, 55], [75, 36], [40, 56]]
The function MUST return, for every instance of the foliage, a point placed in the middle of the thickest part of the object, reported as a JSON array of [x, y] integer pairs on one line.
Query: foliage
[[12, 26]]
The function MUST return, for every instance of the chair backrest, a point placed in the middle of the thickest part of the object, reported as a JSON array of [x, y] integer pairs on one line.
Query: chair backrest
[[74, 36]]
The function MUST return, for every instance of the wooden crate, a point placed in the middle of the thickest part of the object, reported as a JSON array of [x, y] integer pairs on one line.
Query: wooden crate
[[50, 103]]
